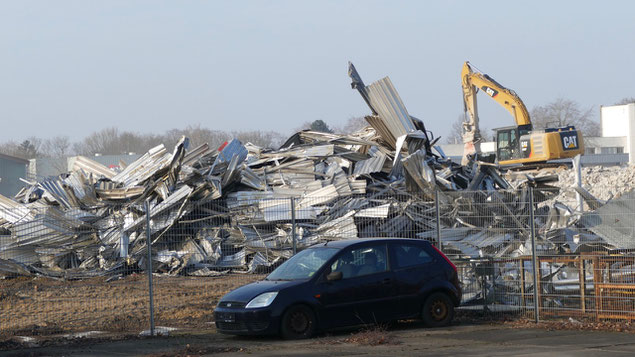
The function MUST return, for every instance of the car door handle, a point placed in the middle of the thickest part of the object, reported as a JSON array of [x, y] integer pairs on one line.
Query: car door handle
[[386, 281]]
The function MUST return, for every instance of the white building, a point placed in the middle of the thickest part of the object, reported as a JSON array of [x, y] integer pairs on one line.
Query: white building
[[618, 130]]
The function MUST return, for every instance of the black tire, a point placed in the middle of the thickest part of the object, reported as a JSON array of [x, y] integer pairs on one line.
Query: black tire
[[297, 323], [438, 310]]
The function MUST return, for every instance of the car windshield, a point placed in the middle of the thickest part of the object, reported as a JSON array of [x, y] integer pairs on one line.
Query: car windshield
[[303, 265]]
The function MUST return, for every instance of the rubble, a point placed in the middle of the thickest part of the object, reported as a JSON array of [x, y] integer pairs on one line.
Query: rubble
[[211, 211]]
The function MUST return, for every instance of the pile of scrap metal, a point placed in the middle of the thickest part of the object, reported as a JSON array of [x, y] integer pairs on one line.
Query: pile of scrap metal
[[495, 256], [209, 211]]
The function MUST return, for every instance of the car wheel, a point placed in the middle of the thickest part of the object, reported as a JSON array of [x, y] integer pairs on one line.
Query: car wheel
[[438, 310], [298, 322]]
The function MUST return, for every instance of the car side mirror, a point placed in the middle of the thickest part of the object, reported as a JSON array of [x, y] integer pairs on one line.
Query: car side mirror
[[336, 275]]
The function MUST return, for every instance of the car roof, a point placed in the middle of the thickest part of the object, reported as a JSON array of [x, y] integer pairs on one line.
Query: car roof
[[349, 242]]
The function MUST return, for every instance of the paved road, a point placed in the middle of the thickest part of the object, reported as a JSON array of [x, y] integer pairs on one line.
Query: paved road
[[411, 340]]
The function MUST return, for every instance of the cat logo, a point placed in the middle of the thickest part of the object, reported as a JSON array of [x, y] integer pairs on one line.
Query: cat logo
[[490, 91], [569, 141], [524, 145]]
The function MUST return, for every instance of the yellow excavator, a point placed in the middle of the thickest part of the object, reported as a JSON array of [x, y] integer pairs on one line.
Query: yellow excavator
[[519, 144]]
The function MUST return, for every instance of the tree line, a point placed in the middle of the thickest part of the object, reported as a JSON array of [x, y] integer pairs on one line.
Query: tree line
[[113, 141]]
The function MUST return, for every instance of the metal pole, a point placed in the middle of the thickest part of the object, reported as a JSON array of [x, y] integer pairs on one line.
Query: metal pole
[[149, 267], [534, 266], [293, 237], [438, 209], [578, 181]]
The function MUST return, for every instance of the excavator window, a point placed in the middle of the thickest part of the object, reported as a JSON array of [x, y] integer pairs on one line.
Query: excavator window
[[502, 143], [507, 144]]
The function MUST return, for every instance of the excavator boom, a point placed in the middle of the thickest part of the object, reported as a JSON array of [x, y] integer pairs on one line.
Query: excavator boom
[[507, 98]]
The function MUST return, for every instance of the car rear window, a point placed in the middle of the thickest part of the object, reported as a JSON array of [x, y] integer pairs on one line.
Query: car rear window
[[408, 255]]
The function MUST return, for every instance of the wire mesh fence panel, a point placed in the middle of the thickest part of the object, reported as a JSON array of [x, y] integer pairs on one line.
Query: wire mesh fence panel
[[57, 277], [487, 234], [586, 256]]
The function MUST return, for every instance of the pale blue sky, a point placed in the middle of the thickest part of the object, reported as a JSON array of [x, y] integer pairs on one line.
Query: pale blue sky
[[75, 67]]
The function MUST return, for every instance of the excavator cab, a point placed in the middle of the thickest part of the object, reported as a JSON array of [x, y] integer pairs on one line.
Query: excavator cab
[[513, 142], [507, 145]]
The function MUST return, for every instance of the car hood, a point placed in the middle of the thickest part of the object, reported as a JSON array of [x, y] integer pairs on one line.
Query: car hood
[[247, 292]]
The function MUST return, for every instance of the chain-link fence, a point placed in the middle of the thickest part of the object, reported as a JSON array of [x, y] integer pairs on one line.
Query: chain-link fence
[[525, 252]]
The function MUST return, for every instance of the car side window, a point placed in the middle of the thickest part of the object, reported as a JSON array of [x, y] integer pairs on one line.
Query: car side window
[[409, 255], [362, 261]]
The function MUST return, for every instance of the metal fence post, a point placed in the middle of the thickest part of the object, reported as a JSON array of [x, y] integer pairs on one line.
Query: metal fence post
[[577, 167], [535, 269], [293, 237], [149, 267], [438, 213]]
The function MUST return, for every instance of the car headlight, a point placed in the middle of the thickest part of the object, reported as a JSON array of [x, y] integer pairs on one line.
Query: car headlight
[[262, 300]]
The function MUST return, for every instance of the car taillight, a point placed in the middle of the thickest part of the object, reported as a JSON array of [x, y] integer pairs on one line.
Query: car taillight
[[444, 257]]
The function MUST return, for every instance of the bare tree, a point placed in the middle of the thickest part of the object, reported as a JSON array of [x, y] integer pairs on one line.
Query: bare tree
[[264, 139], [10, 148], [563, 112], [110, 141], [197, 135], [57, 146], [352, 125], [57, 149], [628, 100], [456, 132], [100, 142]]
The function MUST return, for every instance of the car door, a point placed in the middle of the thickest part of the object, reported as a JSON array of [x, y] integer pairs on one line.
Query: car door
[[338, 297], [413, 267], [374, 285]]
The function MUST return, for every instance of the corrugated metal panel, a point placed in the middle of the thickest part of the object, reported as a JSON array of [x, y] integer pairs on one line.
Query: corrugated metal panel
[[318, 197], [14, 212], [144, 167], [195, 154], [386, 101], [59, 193], [372, 165], [614, 221], [91, 166], [375, 212], [234, 148]]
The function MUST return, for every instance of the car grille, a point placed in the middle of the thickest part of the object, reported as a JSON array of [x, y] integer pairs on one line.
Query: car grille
[[232, 304], [242, 326]]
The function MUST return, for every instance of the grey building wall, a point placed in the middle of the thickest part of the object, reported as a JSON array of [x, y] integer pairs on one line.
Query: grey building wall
[[11, 170]]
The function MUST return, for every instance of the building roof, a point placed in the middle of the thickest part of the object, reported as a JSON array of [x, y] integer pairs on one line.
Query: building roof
[[13, 158]]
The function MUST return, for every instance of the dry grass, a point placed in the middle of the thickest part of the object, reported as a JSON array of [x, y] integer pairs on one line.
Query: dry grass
[[374, 335]]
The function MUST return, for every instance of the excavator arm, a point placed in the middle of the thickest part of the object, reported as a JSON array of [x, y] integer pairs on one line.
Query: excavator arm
[[507, 98]]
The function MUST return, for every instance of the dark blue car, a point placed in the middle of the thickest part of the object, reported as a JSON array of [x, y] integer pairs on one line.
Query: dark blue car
[[345, 283]]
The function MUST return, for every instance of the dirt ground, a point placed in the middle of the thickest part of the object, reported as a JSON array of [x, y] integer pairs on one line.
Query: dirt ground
[[403, 339], [43, 306]]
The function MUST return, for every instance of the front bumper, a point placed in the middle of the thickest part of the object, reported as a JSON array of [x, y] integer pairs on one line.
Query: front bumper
[[242, 321]]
